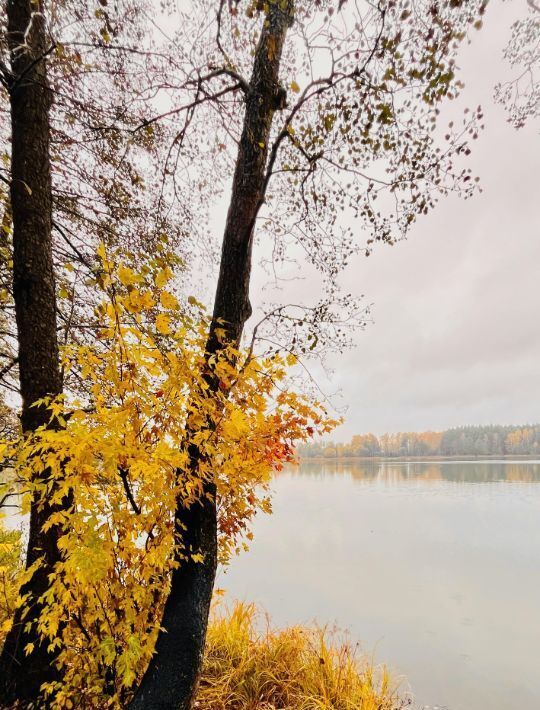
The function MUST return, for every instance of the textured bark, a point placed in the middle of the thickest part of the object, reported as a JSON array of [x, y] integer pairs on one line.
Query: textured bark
[[171, 679], [21, 675]]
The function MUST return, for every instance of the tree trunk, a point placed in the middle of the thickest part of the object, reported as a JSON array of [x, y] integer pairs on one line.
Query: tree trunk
[[171, 679], [21, 675]]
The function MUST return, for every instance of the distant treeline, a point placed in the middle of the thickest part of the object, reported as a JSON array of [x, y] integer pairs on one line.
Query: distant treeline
[[462, 441]]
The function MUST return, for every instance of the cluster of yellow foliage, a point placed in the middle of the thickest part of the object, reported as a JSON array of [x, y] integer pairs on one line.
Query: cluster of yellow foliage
[[10, 557], [120, 453]]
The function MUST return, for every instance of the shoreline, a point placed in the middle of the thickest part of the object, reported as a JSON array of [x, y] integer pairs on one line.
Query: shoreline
[[388, 459]]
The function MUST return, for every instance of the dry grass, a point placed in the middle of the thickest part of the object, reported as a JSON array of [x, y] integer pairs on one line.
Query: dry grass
[[290, 669]]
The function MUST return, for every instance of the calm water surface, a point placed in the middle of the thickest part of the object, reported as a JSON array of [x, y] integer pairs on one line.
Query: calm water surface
[[434, 567]]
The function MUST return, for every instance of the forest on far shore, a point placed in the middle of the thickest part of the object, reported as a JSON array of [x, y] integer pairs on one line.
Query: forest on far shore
[[461, 441]]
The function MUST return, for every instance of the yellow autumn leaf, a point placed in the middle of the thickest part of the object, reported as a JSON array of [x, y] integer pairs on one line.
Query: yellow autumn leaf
[[163, 324], [295, 87], [139, 301], [146, 299], [6, 626], [291, 359], [127, 276], [239, 422], [163, 276], [167, 300], [194, 302]]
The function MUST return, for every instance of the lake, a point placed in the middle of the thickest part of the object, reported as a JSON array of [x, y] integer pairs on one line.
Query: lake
[[433, 566]]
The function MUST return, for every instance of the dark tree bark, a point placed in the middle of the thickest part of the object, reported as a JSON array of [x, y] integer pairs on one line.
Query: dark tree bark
[[21, 675], [172, 676]]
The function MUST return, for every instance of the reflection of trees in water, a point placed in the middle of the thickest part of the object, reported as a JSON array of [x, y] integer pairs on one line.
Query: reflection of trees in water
[[369, 470], [525, 474], [390, 472], [488, 472]]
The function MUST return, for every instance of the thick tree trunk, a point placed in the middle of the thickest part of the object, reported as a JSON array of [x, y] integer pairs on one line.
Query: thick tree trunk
[[171, 679], [21, 675]]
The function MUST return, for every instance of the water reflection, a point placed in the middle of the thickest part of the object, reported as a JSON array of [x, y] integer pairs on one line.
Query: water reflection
[[434, 566], [406, 471]]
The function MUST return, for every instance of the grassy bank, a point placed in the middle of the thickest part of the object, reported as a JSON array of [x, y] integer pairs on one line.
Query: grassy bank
[[292, 669]]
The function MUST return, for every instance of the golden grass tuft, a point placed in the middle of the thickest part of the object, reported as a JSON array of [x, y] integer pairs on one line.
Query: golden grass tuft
[[292, 669]]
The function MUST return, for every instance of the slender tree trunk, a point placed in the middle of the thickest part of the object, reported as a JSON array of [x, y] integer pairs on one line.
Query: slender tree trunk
[[171, 679], [21, 675]]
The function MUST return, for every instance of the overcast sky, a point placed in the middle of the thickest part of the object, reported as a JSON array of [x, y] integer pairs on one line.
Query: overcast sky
[[456, 337], [456, 332]]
